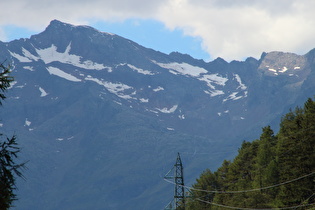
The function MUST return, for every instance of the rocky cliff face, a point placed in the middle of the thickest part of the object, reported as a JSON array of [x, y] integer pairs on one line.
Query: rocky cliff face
[[279, 63]]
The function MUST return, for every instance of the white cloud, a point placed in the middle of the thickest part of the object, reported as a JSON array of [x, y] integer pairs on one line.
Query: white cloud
[[38, 13], [229, 29], [238, 29]]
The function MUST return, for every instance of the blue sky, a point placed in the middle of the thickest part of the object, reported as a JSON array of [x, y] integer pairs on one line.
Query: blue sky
[[206, 29], [148, 33], [153, 34]]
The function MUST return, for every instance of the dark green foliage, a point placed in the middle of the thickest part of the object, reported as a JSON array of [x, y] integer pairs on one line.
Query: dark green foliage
[[275, 171], [296, 154], [8, 153], [206, 182], [5, 80], [8, 168]]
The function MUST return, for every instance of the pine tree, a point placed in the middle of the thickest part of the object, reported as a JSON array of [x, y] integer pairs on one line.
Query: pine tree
[[222, 175], [8, 153], [206, 182], [5, 80], [266, 171], [8, 168], [296, 154], [239, 177]]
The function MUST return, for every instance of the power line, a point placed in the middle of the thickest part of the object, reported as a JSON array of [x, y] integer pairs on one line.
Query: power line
[[232, 207], [242, 191]]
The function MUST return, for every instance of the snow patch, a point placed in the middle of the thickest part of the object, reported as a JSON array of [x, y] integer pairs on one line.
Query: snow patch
[[21, 86], [213, 78], [109, 69], [43, 93], [197, 72], [238, 79], [27, 122], [115, 88], [144, 100], [284, 69], [28, 68], [233, 96], [174, 72], [140, 71], [51, 54], [118, 103], [159, 88], [12, 84], [62, 138], [62, 74], [213, 93], [182, 68], [21, 58], [182, 117], [29, 55], [168, 111]]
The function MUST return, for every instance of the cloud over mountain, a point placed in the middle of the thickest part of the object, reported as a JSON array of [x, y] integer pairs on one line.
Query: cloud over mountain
[[229, 29]]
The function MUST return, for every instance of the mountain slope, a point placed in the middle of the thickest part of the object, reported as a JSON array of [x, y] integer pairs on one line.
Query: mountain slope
[[102, 118]]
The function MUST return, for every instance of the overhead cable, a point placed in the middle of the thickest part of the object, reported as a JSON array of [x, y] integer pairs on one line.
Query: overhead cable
[[232, 207], [242, 191]]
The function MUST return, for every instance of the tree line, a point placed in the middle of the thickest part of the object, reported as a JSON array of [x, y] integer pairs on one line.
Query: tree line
[[274, 171]]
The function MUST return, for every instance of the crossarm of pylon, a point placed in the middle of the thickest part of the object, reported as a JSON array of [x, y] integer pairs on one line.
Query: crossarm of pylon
[[168, 176]]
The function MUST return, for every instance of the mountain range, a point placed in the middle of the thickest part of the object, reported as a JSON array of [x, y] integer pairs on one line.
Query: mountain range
[[101, 118]]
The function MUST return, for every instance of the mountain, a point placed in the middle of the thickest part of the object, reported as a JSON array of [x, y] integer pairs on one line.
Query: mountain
[[101, 118]]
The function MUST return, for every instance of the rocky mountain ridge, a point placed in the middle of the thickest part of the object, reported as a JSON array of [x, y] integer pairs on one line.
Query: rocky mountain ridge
[[101, 117]]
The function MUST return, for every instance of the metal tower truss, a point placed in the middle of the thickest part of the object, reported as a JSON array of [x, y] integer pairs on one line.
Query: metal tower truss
[[179, 192]]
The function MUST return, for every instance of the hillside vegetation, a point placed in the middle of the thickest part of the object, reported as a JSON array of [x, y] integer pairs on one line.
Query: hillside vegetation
[[274, 171]]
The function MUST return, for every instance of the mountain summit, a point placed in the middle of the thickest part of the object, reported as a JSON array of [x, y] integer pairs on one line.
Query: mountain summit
[[101, 118]]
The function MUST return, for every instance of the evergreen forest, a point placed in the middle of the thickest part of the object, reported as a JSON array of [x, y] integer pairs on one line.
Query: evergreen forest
[[276, 171]]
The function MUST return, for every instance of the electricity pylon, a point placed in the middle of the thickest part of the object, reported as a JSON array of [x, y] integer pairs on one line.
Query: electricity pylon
[[179, 191]]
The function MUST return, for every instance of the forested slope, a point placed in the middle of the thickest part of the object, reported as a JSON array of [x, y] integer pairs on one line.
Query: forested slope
[[274, 171]]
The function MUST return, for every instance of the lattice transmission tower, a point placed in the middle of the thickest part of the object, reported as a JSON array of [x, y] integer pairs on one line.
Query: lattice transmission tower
[[178, 201]]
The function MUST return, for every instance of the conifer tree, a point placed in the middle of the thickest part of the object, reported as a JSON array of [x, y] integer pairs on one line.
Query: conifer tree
[[266, 172], [206, 182], [8, 152], [222, 175], [296, 154], [274, 171]]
